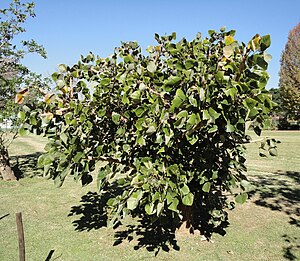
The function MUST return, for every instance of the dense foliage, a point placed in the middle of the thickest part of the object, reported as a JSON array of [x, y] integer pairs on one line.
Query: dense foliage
[[164, 133], [290, 76]]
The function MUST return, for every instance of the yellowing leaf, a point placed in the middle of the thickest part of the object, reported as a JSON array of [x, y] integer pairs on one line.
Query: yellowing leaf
[[64, 89], [254, 43], [229, 39], [19, 99], [49, 97]]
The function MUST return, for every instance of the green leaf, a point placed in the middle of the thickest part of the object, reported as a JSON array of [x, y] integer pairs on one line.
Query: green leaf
[[79, 155], [219, 76], [140, 140], [62, 68], [151, 67], [265, 42], [241, 198], [128, 59], [229, 127], [172, 80], [211, 32], [155, 196], [135, 95], [179, 66], [44, 160], [139, 124], [132, 203], [182, 114], [231, 92], [205, 115], [213, 113], [60, 83], [105, 81], [151, 130], [192, 139], [184, 190], [174, 205], [193, 101], [192, 121], [159, 208], [206, 187], [214, 128], [116, 118], [64, 137], [190, 63], [178, 100], [253, 112], [21, 115], [149, 208], [188, 199], [139, 111], [134, 199], [125, 99], [214, 174], [246, 185], [262, 63]]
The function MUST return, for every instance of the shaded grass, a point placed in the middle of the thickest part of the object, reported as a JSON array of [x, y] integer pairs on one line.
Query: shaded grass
[[24, 153], [66, 223]]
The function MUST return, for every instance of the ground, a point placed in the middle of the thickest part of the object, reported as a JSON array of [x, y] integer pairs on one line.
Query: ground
[[64, 223]]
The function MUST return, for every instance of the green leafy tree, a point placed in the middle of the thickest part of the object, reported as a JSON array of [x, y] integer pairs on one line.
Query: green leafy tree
[[290, 76], [13, 75], [163, 134]]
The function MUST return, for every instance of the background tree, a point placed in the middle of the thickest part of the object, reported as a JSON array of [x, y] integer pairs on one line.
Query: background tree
[[13, 75], [164, 133], [290, 76]]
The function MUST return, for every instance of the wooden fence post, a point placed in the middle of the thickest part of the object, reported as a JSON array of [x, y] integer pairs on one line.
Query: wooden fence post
[[20, 236]]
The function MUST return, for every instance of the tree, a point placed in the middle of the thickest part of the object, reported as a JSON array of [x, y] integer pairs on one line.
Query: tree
[[13, 75], [290, 76], [163, 134]]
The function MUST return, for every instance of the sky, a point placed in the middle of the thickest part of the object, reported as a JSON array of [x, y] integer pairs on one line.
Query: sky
[[69, 28]]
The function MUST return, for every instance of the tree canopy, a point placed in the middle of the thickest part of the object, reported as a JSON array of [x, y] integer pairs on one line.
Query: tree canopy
[[163, 134]]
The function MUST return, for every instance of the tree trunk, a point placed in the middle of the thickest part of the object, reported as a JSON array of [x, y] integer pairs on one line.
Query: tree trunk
[[5, 168], [186, 226]]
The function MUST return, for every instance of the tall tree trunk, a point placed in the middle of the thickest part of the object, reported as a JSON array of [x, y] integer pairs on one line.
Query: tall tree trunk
[[5, 168]]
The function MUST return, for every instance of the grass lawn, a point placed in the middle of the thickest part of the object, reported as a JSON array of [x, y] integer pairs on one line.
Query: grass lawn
[[63, 223]]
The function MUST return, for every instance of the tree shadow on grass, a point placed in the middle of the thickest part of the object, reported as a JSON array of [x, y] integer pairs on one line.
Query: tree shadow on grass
[[280, 191], [26, 165], [92, 212], [153, 234], [293, 246]]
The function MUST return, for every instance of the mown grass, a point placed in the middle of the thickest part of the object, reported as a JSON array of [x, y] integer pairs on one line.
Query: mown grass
[[63, 223]]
